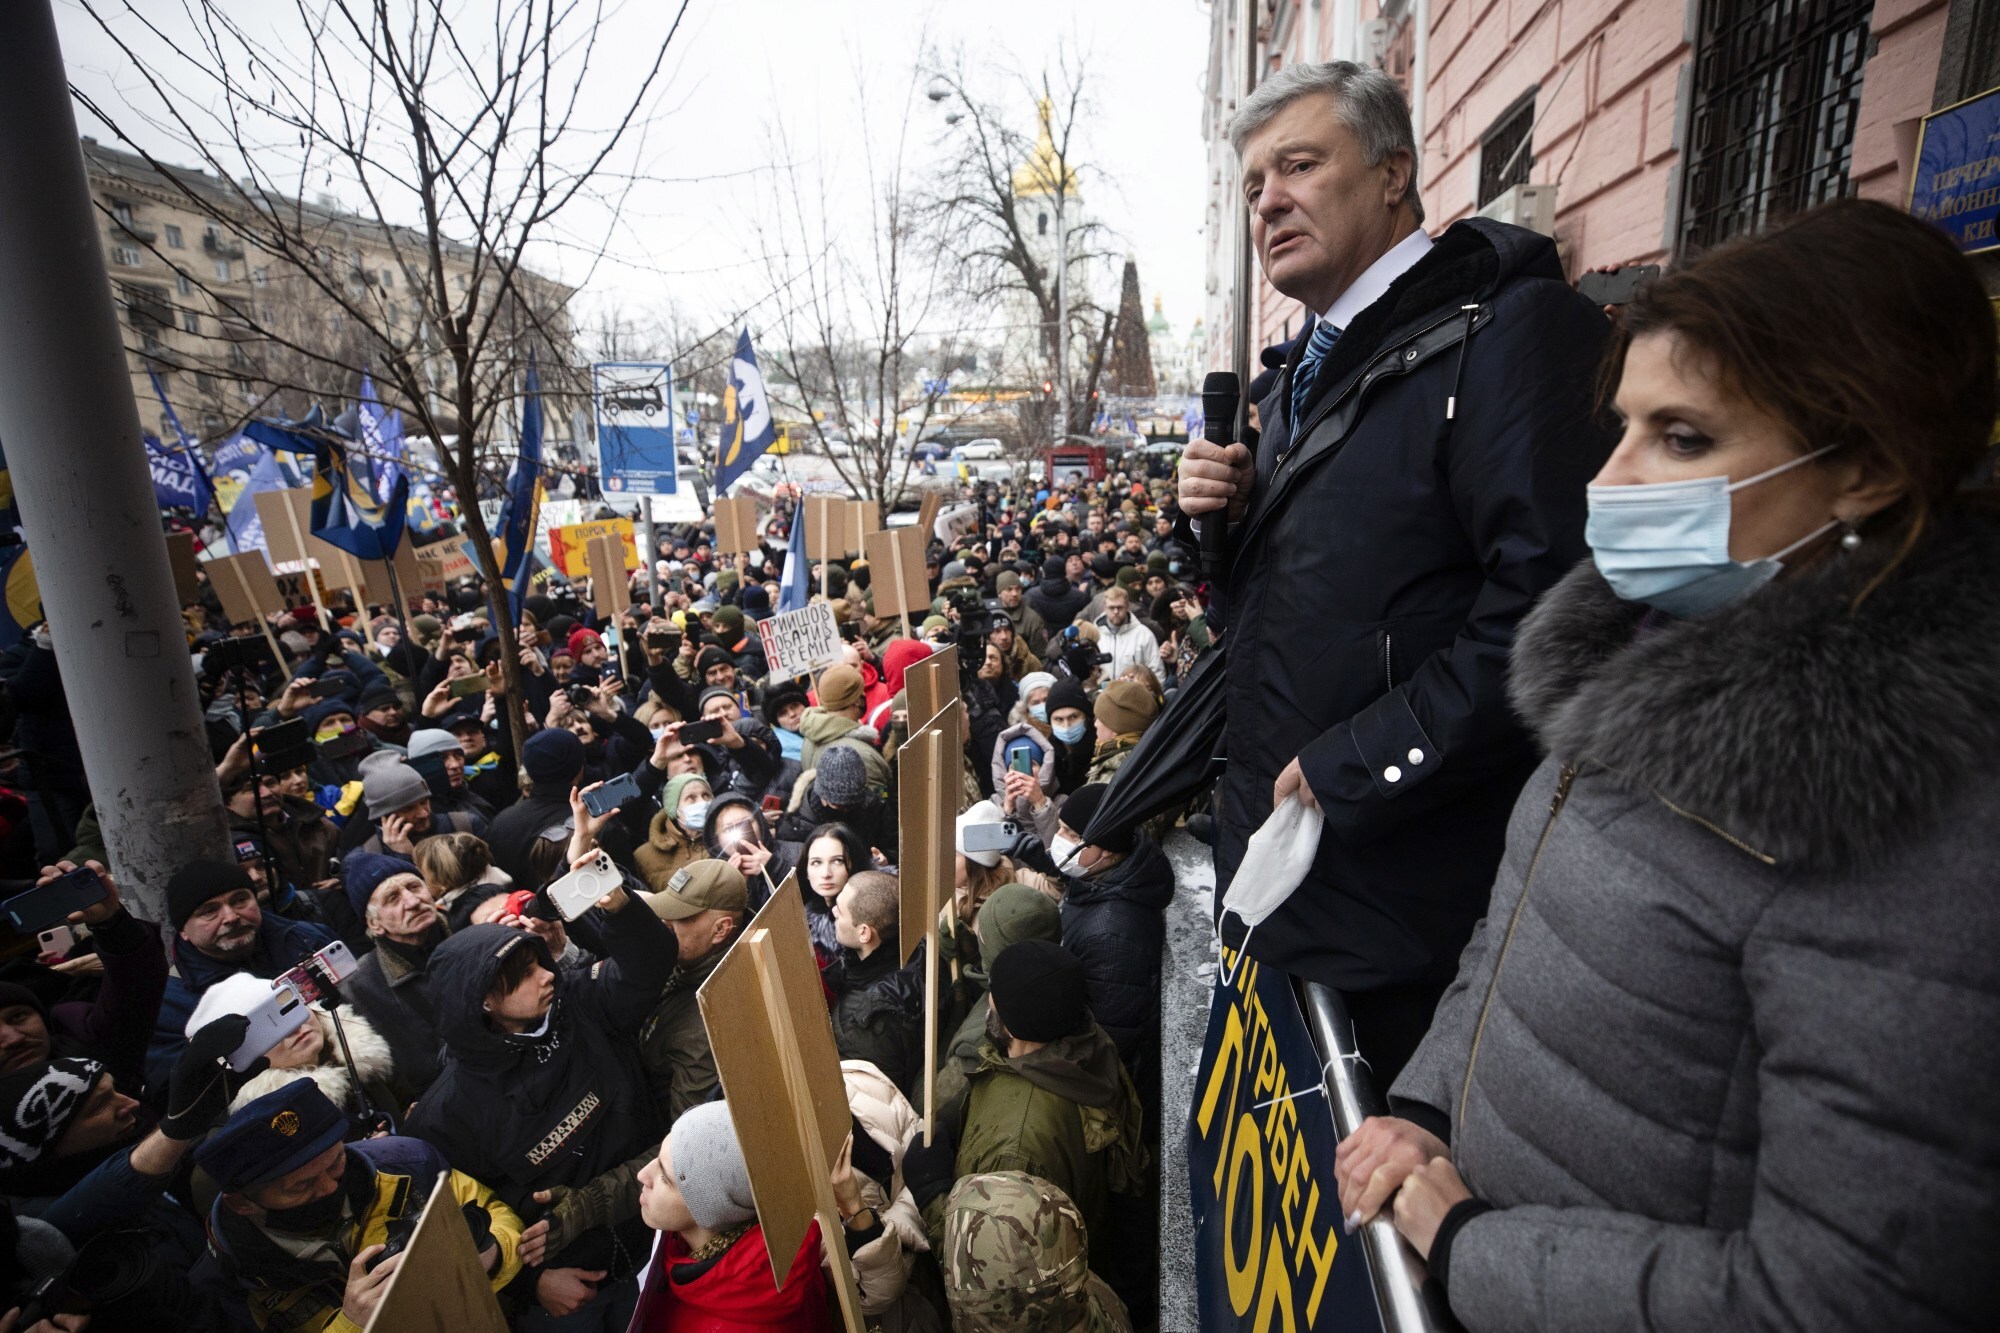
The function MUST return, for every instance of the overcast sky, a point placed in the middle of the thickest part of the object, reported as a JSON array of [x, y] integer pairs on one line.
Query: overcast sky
[[739, 67]]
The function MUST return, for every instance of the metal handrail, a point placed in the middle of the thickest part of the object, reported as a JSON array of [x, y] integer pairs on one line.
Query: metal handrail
[[1394, 1269]]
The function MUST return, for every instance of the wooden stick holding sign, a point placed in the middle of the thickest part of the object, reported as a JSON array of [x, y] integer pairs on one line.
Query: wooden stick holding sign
[[774, 1052], [927, 809], [249, 594], [735, 525], [829, 526], [896, 560], [439, 1285], [932, 683]]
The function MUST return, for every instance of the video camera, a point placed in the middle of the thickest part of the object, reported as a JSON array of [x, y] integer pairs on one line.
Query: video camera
[[1076, 657]]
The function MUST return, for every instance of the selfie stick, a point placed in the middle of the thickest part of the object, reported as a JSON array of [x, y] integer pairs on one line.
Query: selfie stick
[[1221, 397]]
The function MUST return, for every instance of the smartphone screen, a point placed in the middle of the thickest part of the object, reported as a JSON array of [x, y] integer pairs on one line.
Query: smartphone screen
[[700, 733], [468, 685]]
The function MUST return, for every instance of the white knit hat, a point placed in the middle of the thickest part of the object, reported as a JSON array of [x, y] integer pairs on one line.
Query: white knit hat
[[979, 812]]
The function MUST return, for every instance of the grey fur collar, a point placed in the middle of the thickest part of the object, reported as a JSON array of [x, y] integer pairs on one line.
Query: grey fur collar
[[1820, 737]]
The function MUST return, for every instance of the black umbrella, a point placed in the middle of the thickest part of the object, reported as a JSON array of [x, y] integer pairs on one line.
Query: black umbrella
[[1174, 759]]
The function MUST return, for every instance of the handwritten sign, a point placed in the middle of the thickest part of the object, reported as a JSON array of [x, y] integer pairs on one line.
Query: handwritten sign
[[801, 641], [569, 546]]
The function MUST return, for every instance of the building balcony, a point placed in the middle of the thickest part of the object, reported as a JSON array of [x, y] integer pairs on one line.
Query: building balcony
[[221, 247], [138, 231]]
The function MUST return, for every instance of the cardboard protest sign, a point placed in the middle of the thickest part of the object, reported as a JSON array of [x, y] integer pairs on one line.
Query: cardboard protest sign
[[931, 683], [439, 1285], [245, 585], [180, 555], [862, 518], [896, 566], [736, 525], [829, 526], [569, 546], [927, 514], [774, 1052], [287, 520], [607, 574], [409, 577], [927, 810], [802, 641]]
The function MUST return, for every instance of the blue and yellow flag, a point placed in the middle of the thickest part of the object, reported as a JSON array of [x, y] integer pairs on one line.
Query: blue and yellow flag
[[522, 504], [747, 429], [345, 510]]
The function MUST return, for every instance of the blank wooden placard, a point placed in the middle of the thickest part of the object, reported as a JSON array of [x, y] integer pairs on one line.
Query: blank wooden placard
[[438, 1285], [827, 528], [735, 525], [741, 1035], [607, 573], [180, 555], [917, 763], [245, 585], [896, 572], [862, 518], [376, 574], [931, 683], [928, 512]]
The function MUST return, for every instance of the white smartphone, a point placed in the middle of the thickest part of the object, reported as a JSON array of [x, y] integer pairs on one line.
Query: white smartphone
[[578, 891], [56, 942], [270, 1023]]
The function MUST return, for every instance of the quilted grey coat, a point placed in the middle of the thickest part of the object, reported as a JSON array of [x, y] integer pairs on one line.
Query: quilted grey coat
[[1725, 1052]]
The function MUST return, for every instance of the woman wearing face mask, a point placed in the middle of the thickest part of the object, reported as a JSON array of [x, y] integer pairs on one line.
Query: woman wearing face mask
[[1721, 1053], [674, 838], [1070, 737], [1025, 748]]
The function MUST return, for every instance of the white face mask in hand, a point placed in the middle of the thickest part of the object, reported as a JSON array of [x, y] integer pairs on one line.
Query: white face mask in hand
[[1275, 863]]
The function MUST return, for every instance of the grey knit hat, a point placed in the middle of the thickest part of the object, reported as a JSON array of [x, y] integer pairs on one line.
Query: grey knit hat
[[841, 777], [388, 784], [709, 1167]]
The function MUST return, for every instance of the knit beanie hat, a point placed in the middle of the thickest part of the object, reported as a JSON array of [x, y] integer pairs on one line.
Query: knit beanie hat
[[1081, 807], [326, 708], [1038, 990], [1054, 567], [388, 784], [432, 740], [709, 1169], [1007, 579], [237, 993], [711, 656], [1035, 680], [552, 756], [1068, 694], [729, 620], [677, 788], [979, 812], [198, 881], [1127, 707], [716, 692], [365, 873], [841, 688], [379, 695], [581, 638], [37, 1104], [842, 776]]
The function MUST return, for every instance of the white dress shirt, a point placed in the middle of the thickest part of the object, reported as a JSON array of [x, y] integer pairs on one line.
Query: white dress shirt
[[1367, 289]]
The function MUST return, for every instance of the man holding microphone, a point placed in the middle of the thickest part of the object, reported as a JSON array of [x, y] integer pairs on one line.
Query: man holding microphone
[[1418, 482]]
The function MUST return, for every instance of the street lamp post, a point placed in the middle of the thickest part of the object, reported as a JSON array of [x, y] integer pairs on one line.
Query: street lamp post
[[1062, 305]]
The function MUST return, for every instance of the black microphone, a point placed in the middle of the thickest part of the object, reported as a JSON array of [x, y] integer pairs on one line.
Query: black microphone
[[1220, 393]]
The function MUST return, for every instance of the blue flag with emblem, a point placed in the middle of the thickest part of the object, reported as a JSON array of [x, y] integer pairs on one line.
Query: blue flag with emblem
[[179, 480], [346, 511], [381, 435], [522, 504], [747, 429], [243, 467], [795, 584]]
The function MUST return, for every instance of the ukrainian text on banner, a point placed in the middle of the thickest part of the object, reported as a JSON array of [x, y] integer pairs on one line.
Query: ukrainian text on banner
[[796, 642], [1267, 1238]]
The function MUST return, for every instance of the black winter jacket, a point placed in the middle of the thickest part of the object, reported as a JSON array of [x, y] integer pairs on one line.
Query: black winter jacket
[[522, 1113], [878, 1012], [1113, 922], [1057, 602], [1390, 549]]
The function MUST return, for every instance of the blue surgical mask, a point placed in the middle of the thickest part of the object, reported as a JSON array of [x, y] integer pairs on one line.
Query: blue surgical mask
[[1667, 543], [694, 818], [1039, 712], [1070, 735]]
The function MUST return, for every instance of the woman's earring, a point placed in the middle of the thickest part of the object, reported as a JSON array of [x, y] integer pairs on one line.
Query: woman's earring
[[1851, 539]]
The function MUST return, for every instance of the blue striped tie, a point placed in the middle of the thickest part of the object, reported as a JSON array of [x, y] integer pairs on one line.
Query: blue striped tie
[[1323, 337]]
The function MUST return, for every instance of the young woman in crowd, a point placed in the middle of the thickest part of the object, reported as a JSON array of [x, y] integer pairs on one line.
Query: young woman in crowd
[[1721, 1053], [832, 854]]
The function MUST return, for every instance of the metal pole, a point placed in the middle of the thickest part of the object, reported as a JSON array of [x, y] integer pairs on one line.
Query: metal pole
[[1062, 306], [1393, 1267], [1241, 350], [649, 548], [85, 491]]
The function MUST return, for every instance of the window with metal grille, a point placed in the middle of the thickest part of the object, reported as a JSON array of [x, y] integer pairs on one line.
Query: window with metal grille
[[1776, 90], [1505, 155]]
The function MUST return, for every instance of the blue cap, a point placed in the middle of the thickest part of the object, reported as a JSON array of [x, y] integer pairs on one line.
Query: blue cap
[[272, 1136]]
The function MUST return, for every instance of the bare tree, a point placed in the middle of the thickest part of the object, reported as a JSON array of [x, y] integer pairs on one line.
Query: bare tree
[[849, 346], [989, 211], [465, 143]]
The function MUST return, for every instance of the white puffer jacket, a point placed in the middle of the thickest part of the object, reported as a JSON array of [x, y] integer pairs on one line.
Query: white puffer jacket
[[882, 1267]]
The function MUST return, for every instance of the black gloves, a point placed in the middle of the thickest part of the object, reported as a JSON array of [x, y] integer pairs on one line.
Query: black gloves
[[199, 1088], [1028, 851], [480, 1223], [931, 1169]]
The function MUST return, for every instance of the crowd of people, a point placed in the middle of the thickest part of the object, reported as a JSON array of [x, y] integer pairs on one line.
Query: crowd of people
[[392, 853], [1637, 673]]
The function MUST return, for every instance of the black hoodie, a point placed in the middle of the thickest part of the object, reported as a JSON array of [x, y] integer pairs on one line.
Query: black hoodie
[[1114, 923], [522, 1113]]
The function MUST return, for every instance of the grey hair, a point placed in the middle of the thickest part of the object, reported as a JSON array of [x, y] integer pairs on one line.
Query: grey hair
[[1369, 103]]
